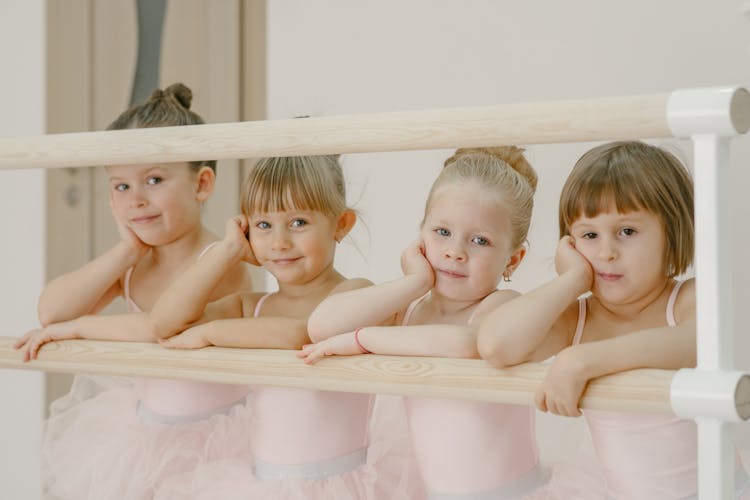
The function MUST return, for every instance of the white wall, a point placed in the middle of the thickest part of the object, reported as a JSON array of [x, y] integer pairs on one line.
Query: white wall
[[22, 216], [341, 56]]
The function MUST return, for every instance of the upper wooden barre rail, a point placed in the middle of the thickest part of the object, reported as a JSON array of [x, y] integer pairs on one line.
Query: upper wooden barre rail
[[472, 379], [526, 123]]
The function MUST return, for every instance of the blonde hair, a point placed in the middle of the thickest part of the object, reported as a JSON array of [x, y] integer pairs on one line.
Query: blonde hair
[[165, 108], [503, 170], [635, 176], [295, 182]]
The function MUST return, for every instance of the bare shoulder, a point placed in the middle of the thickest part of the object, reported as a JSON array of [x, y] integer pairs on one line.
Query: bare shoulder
[[492, 302], [351, 284]]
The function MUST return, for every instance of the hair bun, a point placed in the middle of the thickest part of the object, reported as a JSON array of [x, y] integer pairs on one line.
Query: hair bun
[[182, 93], [512, 155]]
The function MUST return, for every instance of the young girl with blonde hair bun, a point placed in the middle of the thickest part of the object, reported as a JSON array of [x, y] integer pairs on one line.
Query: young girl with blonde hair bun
[[111, 438], [472, 237]]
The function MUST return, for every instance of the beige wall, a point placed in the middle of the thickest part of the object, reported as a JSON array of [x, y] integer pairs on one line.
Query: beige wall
[[22, 218], [337, 56]]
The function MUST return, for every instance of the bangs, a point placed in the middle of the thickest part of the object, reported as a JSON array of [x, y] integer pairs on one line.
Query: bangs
[[610, 181], [598, 195], [285, 185]]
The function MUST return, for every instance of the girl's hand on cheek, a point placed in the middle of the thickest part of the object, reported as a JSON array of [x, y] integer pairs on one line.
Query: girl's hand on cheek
[[338, 345], [569, 259], [137, 247], [414, 262], [560, 392], [237, 232]]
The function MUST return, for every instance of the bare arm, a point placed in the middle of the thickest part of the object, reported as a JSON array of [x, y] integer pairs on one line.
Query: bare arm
[[265, 332], [533, 325], [183, 303], [665, 347], [343, 310], [125, 327], [88, 289]]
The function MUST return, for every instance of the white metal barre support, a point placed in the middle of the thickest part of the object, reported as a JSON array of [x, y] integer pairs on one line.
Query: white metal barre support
[[710, 117]]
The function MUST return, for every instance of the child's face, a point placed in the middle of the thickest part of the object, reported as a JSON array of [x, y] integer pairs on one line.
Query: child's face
[[158, 202], [626, 252], [467, 239], [296, 246]]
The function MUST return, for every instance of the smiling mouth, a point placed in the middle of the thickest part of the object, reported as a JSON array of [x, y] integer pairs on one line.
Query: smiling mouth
[[451, 274], [609, 276], [285, 262], [144, 219]]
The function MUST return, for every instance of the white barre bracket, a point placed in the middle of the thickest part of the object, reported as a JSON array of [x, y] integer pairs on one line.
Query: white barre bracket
[[716, 394], [722, 111]]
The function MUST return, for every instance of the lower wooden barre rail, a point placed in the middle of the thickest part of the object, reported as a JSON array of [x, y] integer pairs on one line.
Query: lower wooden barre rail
[[637, 390]]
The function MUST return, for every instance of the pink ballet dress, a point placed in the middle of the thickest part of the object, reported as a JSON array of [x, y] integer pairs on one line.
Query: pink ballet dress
[[311, 445], [474, 450], [121, 440], [644, 456]]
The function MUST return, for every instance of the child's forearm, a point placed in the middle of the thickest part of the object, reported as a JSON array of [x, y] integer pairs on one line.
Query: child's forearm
[[448, 341], [668, 348], [183, 302], [85, 290], [372, 305], [511, 333], [265, 332], [132, 327]]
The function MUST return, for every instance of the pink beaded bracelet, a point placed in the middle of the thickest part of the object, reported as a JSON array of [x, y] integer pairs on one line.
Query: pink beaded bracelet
[[356, 339]]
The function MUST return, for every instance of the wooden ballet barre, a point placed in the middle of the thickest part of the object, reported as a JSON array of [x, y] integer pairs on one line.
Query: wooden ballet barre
[[526, 123], [472, 379]]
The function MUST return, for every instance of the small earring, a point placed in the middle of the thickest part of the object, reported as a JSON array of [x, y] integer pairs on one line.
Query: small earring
[[506, 278]]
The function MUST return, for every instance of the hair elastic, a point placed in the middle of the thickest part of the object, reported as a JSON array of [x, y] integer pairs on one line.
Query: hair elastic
[[356, 339]]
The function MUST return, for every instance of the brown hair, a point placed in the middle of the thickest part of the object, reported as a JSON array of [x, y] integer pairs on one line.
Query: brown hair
[[295, 182], [501, 169], [165, 108], [635, 176]]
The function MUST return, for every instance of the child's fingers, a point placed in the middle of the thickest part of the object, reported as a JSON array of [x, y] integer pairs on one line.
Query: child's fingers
[[24, 339], [540, 401], [305, 350], [168, 343]]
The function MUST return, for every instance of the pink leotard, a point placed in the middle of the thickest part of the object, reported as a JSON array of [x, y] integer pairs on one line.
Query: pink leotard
[[174, 401], [473, 450], [645, 456], [299, 433]]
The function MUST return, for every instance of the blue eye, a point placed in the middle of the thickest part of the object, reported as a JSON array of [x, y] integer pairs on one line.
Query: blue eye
[[152, 181], [121, 187], [263, 225], [298, 223], [442, 231], [481, 241]]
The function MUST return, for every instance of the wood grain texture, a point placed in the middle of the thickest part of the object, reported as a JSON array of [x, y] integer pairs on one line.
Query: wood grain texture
[[529, 123], [637, 390]]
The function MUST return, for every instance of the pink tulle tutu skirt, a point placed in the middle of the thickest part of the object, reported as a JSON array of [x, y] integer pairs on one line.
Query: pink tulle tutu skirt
[[97, 446], [387, 473]]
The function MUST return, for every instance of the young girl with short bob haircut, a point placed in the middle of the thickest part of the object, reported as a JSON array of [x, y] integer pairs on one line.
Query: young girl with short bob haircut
[[626, 228], [476, 220]]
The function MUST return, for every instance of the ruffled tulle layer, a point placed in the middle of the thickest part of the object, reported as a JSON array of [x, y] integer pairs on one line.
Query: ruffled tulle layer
[[96, 446], [388, 473]]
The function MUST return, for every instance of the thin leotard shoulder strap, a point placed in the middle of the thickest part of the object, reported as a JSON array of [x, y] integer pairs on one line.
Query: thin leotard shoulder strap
[[581, 321], [256, 312], [670, 303], [410, 309]]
